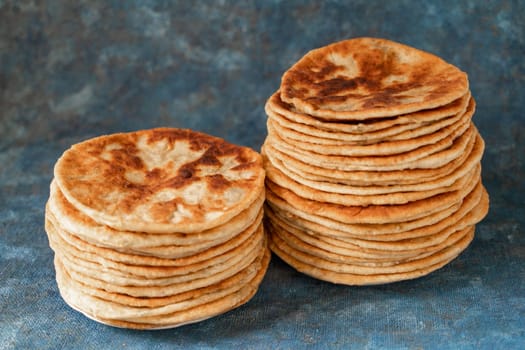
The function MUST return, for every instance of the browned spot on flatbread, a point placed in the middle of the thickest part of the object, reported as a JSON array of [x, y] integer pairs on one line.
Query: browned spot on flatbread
[[169, 135], [218, 182]]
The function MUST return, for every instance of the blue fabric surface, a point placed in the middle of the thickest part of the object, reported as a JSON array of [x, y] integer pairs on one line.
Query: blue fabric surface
[[73, 70]]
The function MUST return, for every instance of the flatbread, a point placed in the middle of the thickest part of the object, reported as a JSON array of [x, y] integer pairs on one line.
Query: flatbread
[[359, 256], [372, 214], [112, 314], [389, 237], [232, 283], [164, 287], [160, 180], [281, 169], [428, 156], [348, 258], [306, 170], [365, 78], [401, 138], [388, 198], [157, 256], [152, 275], [168, 245], [362, 130], [313, 269], [74, 243], [389, 252]]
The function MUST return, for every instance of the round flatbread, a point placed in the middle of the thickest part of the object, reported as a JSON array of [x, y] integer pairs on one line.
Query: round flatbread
[[395, 139], [427, 156], [372, 214], [382, 127], [367, 78], [169, 245], [160, 180], [77, 244], [194, 307], [441, 177], [388, 237], [386, 198], [361, 264], [306, 264]]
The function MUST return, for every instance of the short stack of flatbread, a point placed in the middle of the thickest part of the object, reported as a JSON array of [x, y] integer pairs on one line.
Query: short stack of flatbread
[[372, 163], [157, 228]]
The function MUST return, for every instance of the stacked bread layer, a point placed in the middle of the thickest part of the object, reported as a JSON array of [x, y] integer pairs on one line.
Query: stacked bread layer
[[373, 163]]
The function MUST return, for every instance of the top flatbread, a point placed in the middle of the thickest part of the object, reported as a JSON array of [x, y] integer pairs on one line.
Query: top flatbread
[[160, 180], [366, 78]]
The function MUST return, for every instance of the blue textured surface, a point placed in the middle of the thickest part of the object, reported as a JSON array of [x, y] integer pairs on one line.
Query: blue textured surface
[[73, 70]]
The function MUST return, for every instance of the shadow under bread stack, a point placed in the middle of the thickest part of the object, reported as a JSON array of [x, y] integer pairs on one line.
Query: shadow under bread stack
[[372, 163], [157, 228]]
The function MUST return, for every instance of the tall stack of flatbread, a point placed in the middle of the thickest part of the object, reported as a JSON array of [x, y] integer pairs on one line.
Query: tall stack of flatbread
[[372, 163], [157, 228]]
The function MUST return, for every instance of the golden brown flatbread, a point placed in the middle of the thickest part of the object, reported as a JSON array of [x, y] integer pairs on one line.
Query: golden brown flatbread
[[427, 156], [388, 237], [388, 197], [361, 129], [365, 78], [454, 158], [417, 135], [192, 309], [168, 245], [340, 273], [371, 214], [160, 180]]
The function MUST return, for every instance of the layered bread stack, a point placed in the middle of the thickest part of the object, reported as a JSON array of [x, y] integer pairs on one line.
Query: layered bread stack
[[157, 228], [372, 163]]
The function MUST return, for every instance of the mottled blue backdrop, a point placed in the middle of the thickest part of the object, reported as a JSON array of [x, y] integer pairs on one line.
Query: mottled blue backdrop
[[71, 70]]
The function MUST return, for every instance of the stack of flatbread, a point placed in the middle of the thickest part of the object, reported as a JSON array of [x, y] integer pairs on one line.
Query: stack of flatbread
[[372, 163], [157, 228]]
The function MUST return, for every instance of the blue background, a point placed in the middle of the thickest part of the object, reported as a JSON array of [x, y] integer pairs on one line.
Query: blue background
[[71, 70]]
